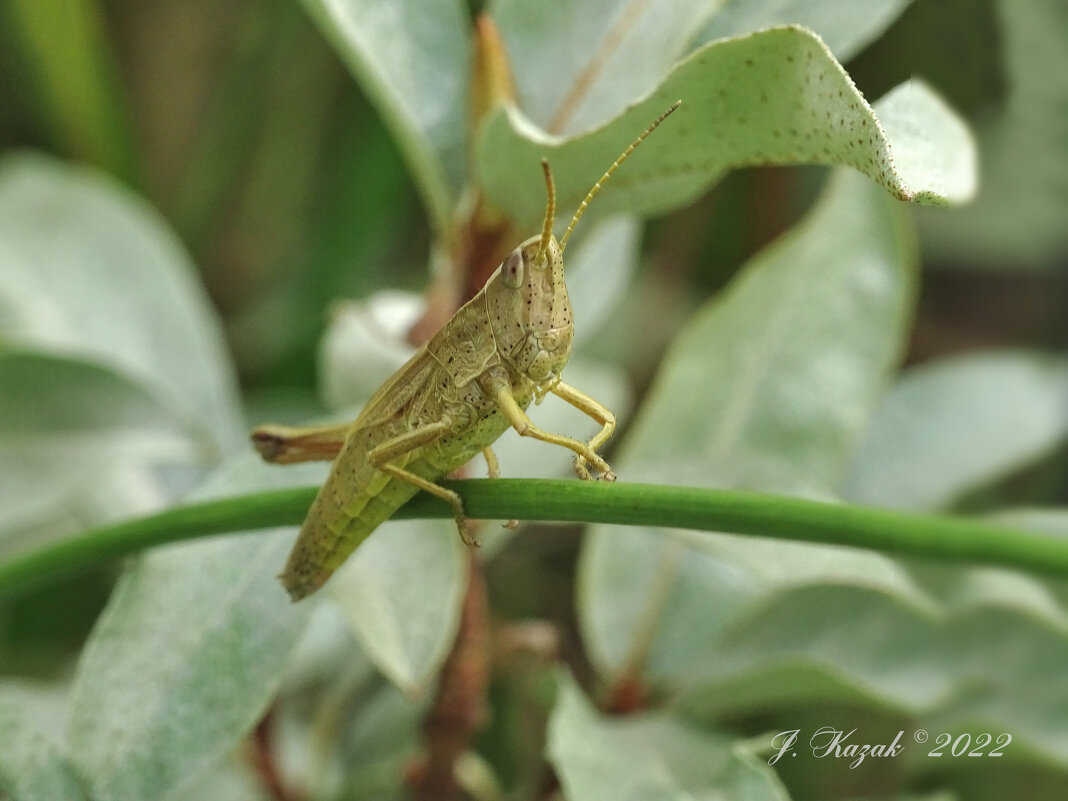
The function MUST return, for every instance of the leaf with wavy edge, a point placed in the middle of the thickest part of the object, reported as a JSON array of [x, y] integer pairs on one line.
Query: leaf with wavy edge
[[773, 97]]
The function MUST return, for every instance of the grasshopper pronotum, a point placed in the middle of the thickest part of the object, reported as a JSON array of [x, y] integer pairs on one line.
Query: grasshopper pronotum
[[472, 381]]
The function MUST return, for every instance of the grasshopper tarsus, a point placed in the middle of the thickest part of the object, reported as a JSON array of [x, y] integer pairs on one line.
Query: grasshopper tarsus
[[473, 380]]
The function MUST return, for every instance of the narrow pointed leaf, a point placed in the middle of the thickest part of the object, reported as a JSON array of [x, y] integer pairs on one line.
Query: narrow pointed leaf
[[413, 60]]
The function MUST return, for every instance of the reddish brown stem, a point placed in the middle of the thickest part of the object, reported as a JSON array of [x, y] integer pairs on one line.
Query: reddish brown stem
[[264, 763], [459, 706]]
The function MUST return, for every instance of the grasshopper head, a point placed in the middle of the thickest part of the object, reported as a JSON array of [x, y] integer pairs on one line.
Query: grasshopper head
[[530, 311]]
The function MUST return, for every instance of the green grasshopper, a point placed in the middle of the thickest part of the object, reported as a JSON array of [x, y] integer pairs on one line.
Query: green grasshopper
[[472, 381]]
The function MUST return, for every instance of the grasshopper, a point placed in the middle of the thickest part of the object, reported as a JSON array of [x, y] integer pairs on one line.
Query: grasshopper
[[472, 381]]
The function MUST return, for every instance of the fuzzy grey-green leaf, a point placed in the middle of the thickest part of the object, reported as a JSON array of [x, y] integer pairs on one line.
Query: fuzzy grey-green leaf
[[649, 757], [32, 765], [186, 657], [949, 426], [92, 268], [789, 361], [401, 593]]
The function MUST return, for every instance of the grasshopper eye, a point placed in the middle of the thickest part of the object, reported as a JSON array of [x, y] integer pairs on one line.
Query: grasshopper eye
[[512, 270]]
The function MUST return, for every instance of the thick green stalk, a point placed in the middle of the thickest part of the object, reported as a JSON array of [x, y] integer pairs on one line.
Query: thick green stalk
[[930, 537]]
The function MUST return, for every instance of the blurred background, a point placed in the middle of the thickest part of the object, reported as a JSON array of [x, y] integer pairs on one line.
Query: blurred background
[[237, 121]]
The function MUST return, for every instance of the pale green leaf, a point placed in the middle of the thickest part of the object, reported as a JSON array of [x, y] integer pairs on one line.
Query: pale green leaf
[[950, 426], [985, 667], [1011, 664], [649, 757], [89, 270], [77, 442], [401, 592], [1051, 520], [380, 742], [773, 97], [577, 63], [932, 147], [187, 655], [364, 345], [826, 644], [767, 387], [234, 780], [600, 265], [32, 765], [846, 27], [413, 59], [792, 355]]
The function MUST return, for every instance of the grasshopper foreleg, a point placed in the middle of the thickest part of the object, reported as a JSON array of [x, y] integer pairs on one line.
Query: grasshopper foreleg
[[502, 392], [587, 405], [286, 445], [381, 457]]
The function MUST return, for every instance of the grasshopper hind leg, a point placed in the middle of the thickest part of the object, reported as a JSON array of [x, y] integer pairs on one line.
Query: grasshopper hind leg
[[287, 445], [382, 456]]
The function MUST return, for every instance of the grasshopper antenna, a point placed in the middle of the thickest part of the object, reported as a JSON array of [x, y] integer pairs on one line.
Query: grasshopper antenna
[[550, 211], [608, 173]]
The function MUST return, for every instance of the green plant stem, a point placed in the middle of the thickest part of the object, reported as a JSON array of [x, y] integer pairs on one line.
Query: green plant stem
[[894, 533]]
